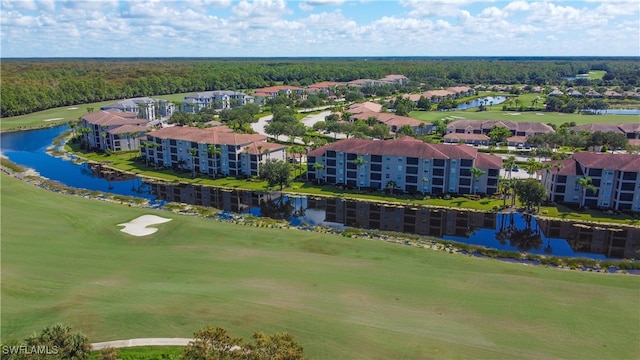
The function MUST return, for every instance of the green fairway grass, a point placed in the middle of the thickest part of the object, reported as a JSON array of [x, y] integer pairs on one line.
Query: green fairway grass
[[145, 353], [533, 116], [65, 260]]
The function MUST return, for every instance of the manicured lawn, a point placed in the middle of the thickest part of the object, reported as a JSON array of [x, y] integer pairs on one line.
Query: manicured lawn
[[596, 74], [145, 353], [534, 116], [65, 260], [566, 213]]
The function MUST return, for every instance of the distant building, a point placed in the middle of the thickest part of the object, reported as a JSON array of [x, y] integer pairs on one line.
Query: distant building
[[144, 107], [409, 164], [520, 130], [219, 100], [273, 91], [629, 130]]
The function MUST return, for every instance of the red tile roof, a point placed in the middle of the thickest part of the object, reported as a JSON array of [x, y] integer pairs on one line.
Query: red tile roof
[[259, 147], [407, 146], [213, 135], [365, 106], [108, 118], [569, 168], [488, 161], [624, 162], [128, 129]]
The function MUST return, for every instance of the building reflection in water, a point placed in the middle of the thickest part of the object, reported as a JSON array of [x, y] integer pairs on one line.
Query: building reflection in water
[[514, 232]]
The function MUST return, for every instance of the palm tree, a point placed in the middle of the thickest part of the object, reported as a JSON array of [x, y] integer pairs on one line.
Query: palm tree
[[194, 153], [556, 166], [512, 185], [475, 175], [258, 159], [151, 145], [359, 163], [504, 189], [532, 167], [424, 180], [300, 151], [391, 185], [214, 151], [317, 167], [546, 169], [585, 183], [510, 163]]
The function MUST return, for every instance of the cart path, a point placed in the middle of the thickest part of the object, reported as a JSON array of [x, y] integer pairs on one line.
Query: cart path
[[141, 342]]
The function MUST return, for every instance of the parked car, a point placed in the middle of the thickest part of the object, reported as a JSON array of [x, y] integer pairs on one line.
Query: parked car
[[515, 168]]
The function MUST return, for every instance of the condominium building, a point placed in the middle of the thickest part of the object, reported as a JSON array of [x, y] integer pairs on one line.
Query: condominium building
[[616, 178], [144, 107], [215, 100], [113, 130], [406, 164], [239, 154]]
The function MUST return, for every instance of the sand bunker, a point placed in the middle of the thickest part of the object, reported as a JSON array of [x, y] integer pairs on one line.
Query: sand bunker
[[72, 108], [53, 119], [139, 226]]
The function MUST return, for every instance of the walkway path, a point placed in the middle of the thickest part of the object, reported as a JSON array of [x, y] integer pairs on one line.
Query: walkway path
[[141, 342]]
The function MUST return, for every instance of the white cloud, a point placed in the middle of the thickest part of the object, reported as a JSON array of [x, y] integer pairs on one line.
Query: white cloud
[[19, 4], [440, 8], [260, 8]]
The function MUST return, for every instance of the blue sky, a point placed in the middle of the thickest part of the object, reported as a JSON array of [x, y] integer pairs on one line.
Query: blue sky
[[265, 28]]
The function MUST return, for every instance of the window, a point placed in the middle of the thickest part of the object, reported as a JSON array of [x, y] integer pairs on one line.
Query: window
[[399, 167]]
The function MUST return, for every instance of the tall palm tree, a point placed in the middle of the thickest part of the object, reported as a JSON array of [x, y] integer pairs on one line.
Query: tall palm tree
[[509, 163], [214, 152], [585, 183], [317, 167], [152, 145], [556, 166], [424, 181], [546, 169], [513, 183], [300, 151], [359, 163], [475, 175], [194, 153]]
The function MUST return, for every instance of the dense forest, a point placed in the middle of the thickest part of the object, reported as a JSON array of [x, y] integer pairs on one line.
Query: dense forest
[[29, 85]]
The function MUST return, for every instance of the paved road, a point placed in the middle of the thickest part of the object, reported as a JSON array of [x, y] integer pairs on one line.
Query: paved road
[[307, 121], [141, 342]]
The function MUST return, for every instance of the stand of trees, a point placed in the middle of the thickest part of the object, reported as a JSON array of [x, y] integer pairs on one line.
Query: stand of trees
[[30, 85]]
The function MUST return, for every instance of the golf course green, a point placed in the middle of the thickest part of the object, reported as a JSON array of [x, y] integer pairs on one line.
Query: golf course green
[[64, 259]]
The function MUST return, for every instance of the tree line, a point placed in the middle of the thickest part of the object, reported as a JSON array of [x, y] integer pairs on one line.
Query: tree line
[[30, 85]]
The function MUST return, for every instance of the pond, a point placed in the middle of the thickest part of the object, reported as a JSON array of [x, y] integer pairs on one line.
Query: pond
[[512, 232], [487, 101], [613, 112]]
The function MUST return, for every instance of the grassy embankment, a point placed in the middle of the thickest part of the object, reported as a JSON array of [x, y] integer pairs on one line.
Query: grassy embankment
[[65, 260]]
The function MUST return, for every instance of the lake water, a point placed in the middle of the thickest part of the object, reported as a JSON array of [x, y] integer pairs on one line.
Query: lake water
[[490, 101], [616, 112], [512, 232]]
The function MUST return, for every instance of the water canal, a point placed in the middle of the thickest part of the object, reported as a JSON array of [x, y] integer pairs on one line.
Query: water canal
[[511, 232]]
